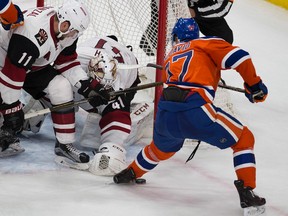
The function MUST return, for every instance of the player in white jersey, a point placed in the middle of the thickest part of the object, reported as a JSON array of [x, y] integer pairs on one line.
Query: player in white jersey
[[102, 54], [49, 36], [108, 129]]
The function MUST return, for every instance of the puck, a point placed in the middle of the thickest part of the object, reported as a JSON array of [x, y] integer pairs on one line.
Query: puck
[[140, 181]]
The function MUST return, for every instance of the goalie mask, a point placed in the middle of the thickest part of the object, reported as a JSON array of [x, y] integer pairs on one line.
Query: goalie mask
[[103, 68]]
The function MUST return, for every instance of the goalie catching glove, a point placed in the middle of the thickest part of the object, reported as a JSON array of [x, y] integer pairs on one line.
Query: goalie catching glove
[[256, 93], [109, 160], [92, 88]]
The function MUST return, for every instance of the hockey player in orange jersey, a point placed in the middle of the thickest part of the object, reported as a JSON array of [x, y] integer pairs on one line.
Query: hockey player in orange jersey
[[11, 15], [192, 71]]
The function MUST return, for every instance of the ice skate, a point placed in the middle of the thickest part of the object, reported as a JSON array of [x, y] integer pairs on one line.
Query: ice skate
[[125, 176], [69, 156], [9, 144], [252, 204]]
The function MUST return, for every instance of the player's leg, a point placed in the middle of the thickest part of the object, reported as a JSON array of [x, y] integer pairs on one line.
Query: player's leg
[[9, 142], [215, 27], [245, 167], [115, 127], [229, 132], [147, 159], [164, 147], [59, 91]]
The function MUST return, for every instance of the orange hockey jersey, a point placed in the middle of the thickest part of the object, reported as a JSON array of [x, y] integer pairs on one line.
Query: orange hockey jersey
[[197, 65], [8, 12]]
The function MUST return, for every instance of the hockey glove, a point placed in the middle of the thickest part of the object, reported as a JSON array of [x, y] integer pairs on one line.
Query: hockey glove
[[13, 117], [92, 89], [256, 93], [20, 21]]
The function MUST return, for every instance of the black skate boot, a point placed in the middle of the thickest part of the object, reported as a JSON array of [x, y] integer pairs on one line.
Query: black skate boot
[[70, 152], [9, 144], [125, 176], [247, 196]]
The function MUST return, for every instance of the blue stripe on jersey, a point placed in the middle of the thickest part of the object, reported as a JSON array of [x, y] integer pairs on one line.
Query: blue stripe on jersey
[[244, 158], [235, 57], [144, 163], [3, 4]]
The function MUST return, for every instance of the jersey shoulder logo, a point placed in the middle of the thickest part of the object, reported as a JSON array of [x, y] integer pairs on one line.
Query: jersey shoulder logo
[[41, 37]]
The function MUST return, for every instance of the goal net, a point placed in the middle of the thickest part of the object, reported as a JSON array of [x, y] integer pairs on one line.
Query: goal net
[[135, 23]]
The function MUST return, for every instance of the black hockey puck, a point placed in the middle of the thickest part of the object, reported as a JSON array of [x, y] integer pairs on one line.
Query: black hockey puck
[[140, 181]]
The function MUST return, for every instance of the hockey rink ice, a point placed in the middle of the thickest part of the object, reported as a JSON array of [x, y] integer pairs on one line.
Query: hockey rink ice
[[32, 184]]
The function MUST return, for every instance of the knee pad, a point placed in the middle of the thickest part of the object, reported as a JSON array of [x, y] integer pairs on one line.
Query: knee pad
[[246, 140], [59, 90]]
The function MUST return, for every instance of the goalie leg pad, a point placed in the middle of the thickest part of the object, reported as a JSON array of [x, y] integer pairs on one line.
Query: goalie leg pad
[[91, 133], [110, 159], [34, 124]]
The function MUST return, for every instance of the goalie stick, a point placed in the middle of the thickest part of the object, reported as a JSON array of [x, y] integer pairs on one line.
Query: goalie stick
[[77, 103], [128, 67]]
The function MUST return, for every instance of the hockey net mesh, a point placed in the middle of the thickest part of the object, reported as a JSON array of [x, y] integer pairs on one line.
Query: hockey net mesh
[[130, 21], [135, 23]]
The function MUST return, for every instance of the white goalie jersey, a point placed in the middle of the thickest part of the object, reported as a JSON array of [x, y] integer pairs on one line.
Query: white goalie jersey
[[110, 133], [91, 48]]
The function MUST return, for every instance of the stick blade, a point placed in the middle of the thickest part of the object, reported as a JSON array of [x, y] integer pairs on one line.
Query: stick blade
[[135, 66], [154, 66]]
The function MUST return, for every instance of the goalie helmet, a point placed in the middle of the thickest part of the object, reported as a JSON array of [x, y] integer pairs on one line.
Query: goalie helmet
[[76, 14], [103, 68], [185, 29]]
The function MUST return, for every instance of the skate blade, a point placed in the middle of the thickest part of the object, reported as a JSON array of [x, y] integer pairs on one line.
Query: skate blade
[[11, 152], [255, 211], [71, 164]]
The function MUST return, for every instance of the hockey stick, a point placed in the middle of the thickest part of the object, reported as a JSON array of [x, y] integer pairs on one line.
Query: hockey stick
[[231, 88], [136, 88], [77, 103], [160, 67], [128, 67]]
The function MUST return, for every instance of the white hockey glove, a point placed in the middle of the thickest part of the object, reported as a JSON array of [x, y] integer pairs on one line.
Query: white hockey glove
[[110, 159]]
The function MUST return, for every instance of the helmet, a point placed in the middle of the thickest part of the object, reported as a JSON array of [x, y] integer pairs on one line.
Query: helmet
[[185, 29], [103, 67], [76, 13]]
